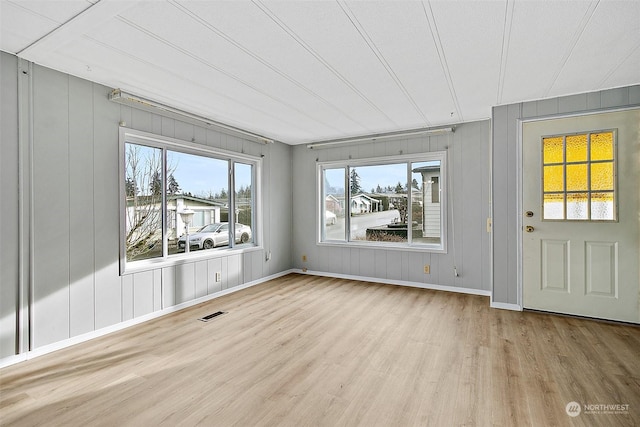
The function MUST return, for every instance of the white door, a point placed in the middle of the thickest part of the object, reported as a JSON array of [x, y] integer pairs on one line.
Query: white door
[[581, 215]]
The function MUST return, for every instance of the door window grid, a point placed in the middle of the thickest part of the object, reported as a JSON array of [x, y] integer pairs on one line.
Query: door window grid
[[578, 178]]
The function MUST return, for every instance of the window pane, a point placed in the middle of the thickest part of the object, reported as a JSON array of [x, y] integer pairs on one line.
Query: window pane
[[602, 206], [244, 203], [553, 178], [577, 206], [198, 184], [602, 146], [334, 208], [602, 176], [577, 148], [373, 218], [553, 206], [143, 191], [425, 187], [552, 148], [577, 178]]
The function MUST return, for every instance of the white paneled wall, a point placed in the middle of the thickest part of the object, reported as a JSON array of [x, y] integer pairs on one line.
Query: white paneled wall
[[72, 235], [469, 207]]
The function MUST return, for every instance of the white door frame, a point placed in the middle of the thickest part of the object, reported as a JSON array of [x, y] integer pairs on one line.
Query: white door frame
[[520, 178]]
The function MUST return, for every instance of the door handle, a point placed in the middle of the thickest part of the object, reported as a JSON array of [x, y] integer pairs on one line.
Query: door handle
[[529, 229]]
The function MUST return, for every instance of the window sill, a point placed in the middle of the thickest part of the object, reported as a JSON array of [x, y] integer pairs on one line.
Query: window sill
[[386, 247], [173, 260]]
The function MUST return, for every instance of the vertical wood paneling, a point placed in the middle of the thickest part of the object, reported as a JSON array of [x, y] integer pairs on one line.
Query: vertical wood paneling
[[169, 287], [380, 268], [257, 261], [615, 97], [246, 267], [9, 212], [547, 107], [234, 270], [394, 265], [141, 120], [224, 266], [201, 278], [501, 230], [185, 282], [127, 297], [157, 290], [634, 95], [594, 100], [366, 263], [572, 103], [51, 207], [81, 218], [143, 293], [214, 266], [106, 207]]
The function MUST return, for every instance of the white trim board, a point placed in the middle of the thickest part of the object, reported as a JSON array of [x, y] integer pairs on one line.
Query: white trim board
[[456, 289], [11, 360]]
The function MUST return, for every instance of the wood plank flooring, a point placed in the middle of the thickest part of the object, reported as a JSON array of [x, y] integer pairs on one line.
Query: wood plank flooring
[[304, 350]]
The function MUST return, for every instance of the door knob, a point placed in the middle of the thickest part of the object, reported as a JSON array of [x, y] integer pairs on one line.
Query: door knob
[[528, 214], [529, 229]]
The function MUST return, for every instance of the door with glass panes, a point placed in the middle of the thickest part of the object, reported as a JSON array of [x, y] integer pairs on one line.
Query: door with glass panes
[[581, 215]]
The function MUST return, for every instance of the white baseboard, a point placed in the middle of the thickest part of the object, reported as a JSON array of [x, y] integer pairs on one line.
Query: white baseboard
[[11, 360], [506, 306], [399, 283]]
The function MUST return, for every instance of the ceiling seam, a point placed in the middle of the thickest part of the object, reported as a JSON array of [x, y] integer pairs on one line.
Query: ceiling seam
[[60, 25], [433, 28], [506, 41], [319, 58], [221, 71], [181, 76], [614, 69], [383, 61], [34, 13], [572, 44], [258, 58]]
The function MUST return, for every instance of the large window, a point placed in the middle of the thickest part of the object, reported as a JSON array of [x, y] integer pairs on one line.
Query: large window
[[390, 202], [177, 200]]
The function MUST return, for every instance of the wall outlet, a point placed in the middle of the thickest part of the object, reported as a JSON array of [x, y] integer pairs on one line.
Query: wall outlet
[[218, 276], [304, 258], [427, 269], [488, 225], [267, 256]]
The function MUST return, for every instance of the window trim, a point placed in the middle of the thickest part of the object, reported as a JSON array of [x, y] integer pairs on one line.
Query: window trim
[[127, 135], [380, 161]]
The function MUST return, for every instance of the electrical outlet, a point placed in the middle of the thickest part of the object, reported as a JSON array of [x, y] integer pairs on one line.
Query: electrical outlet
[[427, 269], [218, 276], [488, 225], [304, 258]]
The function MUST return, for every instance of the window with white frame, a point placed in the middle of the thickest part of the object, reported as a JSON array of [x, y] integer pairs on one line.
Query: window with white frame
[[391, 202], [180, 199]]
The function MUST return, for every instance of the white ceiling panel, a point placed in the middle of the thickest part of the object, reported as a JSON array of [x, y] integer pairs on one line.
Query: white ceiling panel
[[542, 34], [300, 72], [471, 40], [596, 56], [405, 46]]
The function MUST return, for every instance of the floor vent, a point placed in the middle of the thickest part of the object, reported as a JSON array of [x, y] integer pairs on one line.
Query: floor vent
[[212, 316]]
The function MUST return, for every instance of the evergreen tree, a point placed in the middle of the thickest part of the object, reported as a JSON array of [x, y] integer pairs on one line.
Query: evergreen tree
[[415, 184], [355, 183], [130, 187], [172, 186]]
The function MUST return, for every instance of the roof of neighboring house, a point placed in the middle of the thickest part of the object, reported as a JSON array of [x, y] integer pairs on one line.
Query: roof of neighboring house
[[156, 200]]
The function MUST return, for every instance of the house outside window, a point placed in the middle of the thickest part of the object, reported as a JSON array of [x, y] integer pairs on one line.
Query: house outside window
[[392, 202]]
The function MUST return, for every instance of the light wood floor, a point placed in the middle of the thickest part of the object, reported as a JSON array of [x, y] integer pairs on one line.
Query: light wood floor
[[304, 350]]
